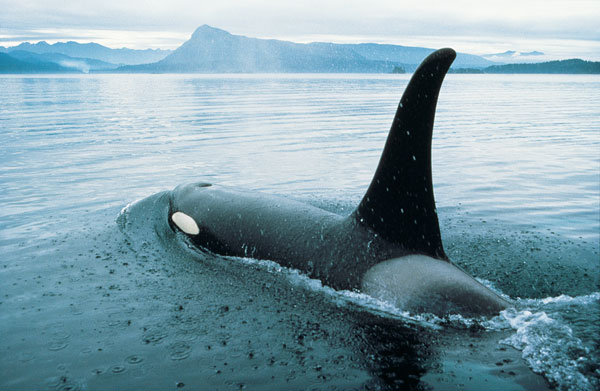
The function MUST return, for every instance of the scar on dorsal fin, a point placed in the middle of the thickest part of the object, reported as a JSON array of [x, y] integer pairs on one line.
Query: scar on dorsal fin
[[399, 204]]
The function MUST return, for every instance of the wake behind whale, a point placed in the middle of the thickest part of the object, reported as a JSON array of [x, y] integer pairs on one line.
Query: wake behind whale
[[390, 247]]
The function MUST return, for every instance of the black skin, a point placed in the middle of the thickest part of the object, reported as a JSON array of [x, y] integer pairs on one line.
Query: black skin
[[396, 217], [335, 249]]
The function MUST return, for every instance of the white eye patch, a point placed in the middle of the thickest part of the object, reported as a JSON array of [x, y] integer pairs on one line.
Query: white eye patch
[[185, 223]]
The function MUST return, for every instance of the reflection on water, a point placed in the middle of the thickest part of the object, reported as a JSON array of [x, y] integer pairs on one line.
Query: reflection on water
[[518, 148], [517, 180]]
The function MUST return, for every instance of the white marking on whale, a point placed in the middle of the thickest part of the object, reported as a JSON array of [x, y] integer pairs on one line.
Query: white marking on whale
[[185, 223]]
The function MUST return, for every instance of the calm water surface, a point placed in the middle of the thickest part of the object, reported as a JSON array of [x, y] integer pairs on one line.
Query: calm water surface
[[90, 303]]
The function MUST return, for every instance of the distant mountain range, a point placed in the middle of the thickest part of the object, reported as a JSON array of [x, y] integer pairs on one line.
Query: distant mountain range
[[93, 51], [212, 50], [9, 64], [512, 56], [76, 64], [575, 66], [513, 53]]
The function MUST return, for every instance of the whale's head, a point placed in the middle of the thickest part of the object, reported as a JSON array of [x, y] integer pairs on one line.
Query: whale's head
[[192, 212], [421, 284], [184, 207]]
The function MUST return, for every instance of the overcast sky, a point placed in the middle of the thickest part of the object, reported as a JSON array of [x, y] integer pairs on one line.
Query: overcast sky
[[561, 29]]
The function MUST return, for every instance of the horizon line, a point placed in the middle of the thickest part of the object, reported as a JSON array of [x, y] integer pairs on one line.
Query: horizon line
[[485, 50]]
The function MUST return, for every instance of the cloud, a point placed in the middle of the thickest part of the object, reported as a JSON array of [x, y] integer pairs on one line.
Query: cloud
[[349, 20]]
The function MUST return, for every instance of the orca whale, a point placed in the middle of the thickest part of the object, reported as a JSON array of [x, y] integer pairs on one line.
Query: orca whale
[[390, 247]]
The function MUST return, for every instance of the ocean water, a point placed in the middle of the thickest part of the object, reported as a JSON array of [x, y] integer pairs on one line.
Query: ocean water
[[95, 294]]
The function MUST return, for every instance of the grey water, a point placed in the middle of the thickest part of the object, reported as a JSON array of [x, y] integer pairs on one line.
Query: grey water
[[94, 296]]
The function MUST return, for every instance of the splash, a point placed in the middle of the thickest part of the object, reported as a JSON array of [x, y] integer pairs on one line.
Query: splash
[[551, 345], [362, 301], [548, 343]]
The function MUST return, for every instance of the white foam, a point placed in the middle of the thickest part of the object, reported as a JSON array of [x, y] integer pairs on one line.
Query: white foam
[[126, 208], [345, 298], [548, 344], [492, 287], [564, 299]]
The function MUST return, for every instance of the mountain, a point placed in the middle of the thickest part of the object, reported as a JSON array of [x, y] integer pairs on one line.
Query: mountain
[[94, 51], [9, 64], [84, 65], [512, 56], [574, 66], [214, 50], [412, 55]]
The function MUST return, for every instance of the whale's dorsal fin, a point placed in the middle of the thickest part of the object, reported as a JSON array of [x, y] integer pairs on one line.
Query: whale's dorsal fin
[[399, 204]]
